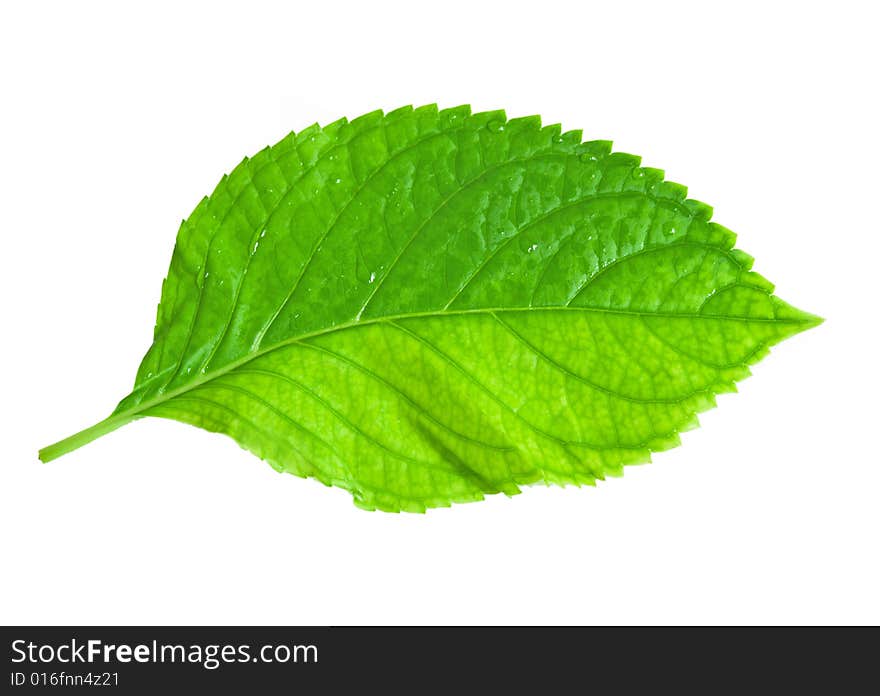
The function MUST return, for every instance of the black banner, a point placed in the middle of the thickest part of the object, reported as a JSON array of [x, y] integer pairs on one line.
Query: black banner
[[152, 660]]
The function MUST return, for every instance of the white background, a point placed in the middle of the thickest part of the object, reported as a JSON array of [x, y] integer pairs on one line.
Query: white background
[[115, 121]]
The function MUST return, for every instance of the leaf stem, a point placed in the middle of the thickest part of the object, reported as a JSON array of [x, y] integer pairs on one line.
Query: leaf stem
[[84, 437]]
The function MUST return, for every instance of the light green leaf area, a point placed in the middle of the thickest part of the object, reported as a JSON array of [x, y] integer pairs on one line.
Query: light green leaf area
[[425, 307]]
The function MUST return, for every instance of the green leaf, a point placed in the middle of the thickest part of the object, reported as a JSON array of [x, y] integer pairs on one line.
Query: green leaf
[[424, 307]]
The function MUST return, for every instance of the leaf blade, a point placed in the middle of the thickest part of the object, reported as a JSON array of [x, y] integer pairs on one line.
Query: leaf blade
[[488, 287]]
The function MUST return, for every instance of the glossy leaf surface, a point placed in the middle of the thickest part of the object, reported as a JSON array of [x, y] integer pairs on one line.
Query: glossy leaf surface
[[428, 306]]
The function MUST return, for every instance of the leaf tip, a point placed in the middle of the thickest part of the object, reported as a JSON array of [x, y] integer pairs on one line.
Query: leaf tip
[[798, 318]]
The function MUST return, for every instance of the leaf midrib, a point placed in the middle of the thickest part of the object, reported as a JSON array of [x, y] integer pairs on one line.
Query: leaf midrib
[[117, 420], [207, 377]]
